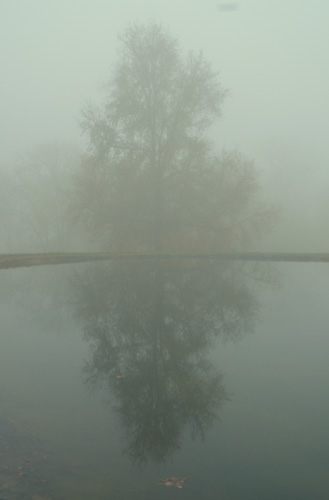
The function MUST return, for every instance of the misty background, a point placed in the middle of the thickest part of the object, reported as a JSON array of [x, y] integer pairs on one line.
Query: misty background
[[57, 56], [117, 364]]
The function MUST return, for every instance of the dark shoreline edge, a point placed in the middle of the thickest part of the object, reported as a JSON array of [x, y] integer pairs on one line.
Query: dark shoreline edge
[[9, 261]]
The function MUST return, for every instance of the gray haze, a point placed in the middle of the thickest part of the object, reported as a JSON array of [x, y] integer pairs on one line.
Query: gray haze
[[55, 56]]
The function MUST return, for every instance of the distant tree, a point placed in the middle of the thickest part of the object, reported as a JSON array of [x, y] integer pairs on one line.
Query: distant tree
[[44, 188], [8, 219], [151, 179]]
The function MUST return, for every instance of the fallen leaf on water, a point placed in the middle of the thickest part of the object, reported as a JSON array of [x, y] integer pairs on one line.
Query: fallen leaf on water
[[175, 481]]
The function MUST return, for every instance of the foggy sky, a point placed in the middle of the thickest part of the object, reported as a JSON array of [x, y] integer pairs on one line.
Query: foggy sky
[[272, 55]]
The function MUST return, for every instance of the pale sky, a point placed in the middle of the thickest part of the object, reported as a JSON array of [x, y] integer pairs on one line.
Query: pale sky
[[273, 55]]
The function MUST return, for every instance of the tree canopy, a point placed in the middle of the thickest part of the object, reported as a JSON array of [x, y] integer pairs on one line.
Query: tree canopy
[[151, 179]]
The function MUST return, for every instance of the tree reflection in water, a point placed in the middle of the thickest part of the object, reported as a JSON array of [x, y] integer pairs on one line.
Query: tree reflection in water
[[150, 327]]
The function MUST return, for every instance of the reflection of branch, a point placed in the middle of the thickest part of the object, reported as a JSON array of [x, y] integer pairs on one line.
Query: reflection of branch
[[251, 276]]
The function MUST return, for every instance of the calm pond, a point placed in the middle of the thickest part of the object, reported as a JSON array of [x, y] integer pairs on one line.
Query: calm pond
[[155, 381]]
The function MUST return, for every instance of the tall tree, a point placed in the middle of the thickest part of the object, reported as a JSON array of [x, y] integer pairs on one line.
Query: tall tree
[[151, 179]]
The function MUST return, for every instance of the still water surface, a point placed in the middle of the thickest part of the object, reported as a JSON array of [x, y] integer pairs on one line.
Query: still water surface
[[115, 377]]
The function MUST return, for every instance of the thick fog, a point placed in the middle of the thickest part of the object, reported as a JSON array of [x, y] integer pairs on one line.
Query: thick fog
[[272, 56], [162, 133]]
